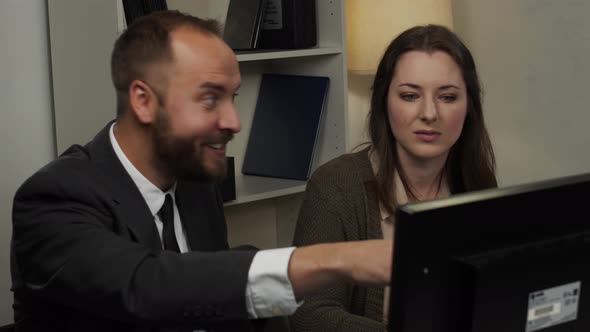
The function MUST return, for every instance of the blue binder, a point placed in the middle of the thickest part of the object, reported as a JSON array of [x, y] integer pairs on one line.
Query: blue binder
[[285, 126]]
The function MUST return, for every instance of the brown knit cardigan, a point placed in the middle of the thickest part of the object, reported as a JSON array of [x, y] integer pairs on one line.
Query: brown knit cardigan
[[340, 204]]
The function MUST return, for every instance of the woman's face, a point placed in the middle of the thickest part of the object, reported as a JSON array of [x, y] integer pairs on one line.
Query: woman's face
[[426, 106]]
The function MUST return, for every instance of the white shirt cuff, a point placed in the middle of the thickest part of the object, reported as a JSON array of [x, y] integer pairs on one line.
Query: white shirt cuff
[[269, 292]]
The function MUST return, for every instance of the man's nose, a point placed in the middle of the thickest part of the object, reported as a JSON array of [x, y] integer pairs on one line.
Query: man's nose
[[229, 119]]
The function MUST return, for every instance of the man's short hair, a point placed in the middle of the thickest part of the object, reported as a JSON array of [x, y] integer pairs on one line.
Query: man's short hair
[[146, 42]]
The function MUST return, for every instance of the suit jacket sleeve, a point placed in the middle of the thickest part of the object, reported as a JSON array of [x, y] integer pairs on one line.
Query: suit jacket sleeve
[[69, 250], [328, 212]]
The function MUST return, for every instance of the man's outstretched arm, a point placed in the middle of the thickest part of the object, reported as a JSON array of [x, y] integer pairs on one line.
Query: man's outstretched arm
[[359, 262]]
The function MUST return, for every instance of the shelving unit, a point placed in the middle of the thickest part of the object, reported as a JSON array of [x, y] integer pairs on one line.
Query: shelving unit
[[82, 34], [275, 54]]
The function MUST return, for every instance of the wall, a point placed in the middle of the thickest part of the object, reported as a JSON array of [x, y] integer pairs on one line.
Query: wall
[[532, 57], [359, 99], [26, 125]]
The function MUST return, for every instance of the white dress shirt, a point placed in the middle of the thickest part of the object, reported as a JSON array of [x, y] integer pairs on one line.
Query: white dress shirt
[[268, 292]]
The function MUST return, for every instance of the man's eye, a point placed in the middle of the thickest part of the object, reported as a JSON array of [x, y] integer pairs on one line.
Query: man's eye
[[211, 101]]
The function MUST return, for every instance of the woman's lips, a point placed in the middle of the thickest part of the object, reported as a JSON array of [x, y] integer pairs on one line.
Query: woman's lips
[[427, 135]]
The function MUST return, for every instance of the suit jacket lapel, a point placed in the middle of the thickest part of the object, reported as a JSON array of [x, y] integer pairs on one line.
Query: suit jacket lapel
[[130, 206]]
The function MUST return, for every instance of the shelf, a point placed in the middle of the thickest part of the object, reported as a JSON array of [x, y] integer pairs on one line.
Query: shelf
[[252, 188], [280, 54]]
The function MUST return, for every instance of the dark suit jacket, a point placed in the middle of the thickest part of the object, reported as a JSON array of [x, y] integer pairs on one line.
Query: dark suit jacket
[[86, 255]]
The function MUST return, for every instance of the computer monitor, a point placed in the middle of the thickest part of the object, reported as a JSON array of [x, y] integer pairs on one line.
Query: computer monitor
[[513, 259]]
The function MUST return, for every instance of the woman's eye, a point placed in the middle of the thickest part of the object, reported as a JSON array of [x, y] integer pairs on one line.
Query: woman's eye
[[448, 98], [409, 96]]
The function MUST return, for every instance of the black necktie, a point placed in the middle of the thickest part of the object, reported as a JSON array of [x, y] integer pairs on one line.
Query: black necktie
[[167, 216]]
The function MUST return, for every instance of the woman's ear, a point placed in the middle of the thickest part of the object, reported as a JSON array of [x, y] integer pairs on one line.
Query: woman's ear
[[143, 102]]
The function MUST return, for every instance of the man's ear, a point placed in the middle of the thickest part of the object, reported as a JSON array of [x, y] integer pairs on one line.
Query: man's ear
[[143, 102]]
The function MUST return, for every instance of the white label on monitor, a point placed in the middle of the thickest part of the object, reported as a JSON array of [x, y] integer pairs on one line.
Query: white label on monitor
[[273, 15], [553, 306]]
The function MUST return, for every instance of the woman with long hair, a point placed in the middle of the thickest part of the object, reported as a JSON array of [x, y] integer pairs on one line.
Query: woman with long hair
[[428, 140]]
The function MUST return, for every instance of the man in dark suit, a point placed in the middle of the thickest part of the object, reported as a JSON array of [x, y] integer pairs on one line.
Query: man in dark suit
[[127, 233]]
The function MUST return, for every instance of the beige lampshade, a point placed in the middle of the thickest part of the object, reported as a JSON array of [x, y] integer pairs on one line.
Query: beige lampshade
[[372, 24]]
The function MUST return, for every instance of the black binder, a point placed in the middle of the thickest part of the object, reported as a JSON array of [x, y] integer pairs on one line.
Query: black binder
[[227, 186], [289, 24], [243, 24], [137, 8], [285, 126]]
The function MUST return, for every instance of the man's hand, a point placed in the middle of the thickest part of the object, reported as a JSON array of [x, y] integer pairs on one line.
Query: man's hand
[[359, 262]]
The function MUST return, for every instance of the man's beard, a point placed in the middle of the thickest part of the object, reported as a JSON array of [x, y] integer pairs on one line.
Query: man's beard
[[183, 157]]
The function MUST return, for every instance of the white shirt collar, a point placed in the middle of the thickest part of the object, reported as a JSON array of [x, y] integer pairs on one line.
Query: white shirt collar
[[153, 196]]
